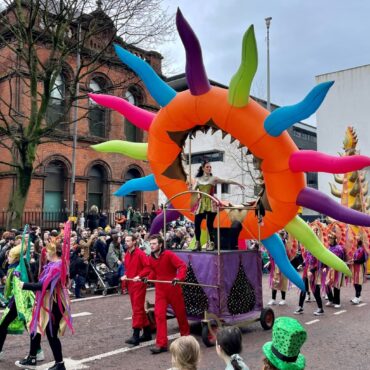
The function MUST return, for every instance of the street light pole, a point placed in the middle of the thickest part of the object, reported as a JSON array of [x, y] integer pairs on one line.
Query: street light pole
[[268, 102], [72, 188]]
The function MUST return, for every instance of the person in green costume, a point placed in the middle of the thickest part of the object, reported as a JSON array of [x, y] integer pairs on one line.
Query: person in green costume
[[206, 207], [18, 313]]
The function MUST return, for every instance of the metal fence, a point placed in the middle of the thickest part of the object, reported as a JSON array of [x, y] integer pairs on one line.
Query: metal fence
[[46, 220]]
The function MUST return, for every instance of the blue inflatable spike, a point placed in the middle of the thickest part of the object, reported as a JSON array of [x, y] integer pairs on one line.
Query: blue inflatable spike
[[146, 183], [160, 91], [276, 248], [282, 118]]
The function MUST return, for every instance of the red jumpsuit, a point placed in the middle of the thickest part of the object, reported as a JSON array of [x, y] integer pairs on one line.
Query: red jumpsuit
[[167, 267], [135, 262]]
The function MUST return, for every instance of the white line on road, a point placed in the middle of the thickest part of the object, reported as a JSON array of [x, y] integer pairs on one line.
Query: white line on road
[[80, 314], [128, 318], [122, 350], [312, 322], [340, 312], [361, 304], [95, 297]]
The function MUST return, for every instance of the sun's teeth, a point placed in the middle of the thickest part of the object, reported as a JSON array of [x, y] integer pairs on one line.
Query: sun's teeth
[[240, 145], [213, 130], [224, 134], [232, 139]]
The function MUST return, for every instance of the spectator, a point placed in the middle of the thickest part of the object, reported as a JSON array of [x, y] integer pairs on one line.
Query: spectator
[[115, 255], [81, 221], [78, 271], [103, 220], [185, 353], [100, 247], [136, 218], [93, 218], [85, 243], [229, 346], [283, 353], [130, 213]]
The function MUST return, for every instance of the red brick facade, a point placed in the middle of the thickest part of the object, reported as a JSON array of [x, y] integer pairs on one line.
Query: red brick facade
[[119, 79]]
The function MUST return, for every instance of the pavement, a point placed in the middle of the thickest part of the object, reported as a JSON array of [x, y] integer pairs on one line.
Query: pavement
[[337, 340]]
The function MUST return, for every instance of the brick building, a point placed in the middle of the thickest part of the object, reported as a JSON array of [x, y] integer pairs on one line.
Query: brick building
[[98, 175]]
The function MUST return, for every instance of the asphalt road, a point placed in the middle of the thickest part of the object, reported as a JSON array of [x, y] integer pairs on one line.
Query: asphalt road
[[338, 340]]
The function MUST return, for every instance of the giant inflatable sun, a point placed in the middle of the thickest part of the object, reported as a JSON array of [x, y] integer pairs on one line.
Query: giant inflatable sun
[[232, 111]]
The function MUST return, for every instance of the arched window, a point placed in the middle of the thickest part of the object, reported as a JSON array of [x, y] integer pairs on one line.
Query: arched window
[[97, 114], [97, 179], [54, 190], [55, 112], [132, 199], [134, 96]]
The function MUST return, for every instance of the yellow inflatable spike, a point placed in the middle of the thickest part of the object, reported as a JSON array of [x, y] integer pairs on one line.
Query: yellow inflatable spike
[[127, 148], [304, 234]]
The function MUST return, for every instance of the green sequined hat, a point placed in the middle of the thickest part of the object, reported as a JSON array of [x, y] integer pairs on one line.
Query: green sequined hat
[[288, 336]]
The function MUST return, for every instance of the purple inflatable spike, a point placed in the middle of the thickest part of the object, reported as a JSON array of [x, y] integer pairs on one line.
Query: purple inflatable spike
[[157, 224], [314, 199], [195, 72]]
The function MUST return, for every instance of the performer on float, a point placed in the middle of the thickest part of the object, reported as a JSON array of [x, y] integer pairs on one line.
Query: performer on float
[[358, 267], [312, 275], [18, 313], [166, 266], [51, 312], [135, 261], [278, 281], [206, 208], [334, 279]]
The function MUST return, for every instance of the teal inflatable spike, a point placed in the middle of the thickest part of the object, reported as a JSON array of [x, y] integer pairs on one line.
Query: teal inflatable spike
[[282, 118], [160, 91], [146, 183], [276, 248]]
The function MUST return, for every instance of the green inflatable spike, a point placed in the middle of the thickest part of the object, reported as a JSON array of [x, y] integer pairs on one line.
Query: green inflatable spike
[[127, 148], [241, 82]]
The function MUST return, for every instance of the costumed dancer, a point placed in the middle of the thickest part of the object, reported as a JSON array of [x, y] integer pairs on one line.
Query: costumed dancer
[[135, 261], [358, 267], [334, 279], [18, 313], [278, 281], [51, 312], [312, 276], [206, 208], [165, 265]]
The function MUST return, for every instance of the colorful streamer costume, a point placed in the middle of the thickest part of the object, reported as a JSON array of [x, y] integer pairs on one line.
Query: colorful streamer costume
[[359, 270]]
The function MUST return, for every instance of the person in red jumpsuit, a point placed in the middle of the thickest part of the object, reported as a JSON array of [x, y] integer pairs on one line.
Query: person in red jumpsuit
[[165, 265], [135, 261]]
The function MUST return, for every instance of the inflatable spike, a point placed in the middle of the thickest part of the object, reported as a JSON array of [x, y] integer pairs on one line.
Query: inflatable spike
[[132, 150], [141, 118], [320, 202], [276, 248], [312, 161], [240, 84], [282, 118], [146, 183], [160, 91], [305, 235]]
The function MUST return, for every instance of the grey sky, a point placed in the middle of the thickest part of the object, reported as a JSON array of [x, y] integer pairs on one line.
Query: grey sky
[[307, 38]]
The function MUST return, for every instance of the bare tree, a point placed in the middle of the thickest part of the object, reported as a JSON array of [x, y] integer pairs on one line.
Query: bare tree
[[38, 39]]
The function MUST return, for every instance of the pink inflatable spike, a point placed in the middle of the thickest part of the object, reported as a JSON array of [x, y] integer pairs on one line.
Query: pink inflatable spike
[[312, 161], [139, 117]]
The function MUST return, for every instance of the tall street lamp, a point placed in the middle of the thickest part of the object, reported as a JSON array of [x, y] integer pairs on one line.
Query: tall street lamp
[[268, 102]]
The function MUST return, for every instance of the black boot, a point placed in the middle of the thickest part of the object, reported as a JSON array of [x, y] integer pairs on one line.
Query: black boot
[[135, 339], [147, 334], [58, 366]]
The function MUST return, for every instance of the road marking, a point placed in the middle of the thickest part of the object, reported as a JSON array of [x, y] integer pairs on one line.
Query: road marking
[[80, 314], [128, 318], [340, 312], [123, 350], [361, 305], [68, 362], [312, 322], [91, 298]]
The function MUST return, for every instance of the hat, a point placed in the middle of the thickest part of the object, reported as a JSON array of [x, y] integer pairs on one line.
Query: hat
[[102, 233], [288, 336]]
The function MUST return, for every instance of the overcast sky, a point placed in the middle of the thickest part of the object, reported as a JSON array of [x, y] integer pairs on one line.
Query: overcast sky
[[307, 38]]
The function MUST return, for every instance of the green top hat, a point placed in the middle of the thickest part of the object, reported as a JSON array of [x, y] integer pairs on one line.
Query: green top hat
[[288, 336]]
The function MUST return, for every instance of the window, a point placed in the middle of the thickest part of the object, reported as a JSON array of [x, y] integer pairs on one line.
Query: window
[[312, 181], [54, 191], [132, 199], [97, 177], [211, 156], [133, 133], [97, 114], [55, 110], [225, 188]]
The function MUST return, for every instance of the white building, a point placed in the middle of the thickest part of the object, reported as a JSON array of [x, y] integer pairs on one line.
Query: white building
[[346, 104]]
